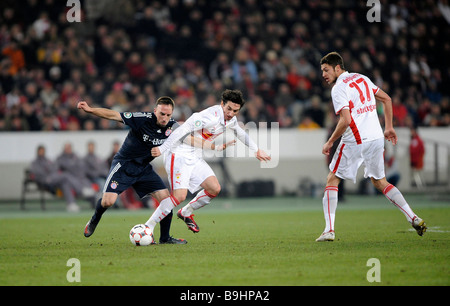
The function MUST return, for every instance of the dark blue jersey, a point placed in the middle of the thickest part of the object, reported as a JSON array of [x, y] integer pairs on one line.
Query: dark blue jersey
[[144, 134]]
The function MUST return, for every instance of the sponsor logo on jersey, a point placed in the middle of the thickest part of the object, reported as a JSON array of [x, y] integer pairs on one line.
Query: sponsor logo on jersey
[[366, 109]]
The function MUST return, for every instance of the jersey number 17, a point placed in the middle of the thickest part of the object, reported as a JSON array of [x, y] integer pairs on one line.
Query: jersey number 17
[[361, 94]]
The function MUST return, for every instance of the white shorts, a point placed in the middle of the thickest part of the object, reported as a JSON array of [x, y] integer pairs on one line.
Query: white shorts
[[186, 172], [349, 157]]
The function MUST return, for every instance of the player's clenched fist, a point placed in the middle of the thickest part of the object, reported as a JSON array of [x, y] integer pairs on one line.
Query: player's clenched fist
[[84, 106], [155, 152]]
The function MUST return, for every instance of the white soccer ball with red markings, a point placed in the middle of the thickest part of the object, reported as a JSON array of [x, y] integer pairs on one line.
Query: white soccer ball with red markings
[[141, 234]]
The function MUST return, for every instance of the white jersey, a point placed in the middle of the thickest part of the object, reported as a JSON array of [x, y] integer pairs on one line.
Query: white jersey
[[207, 124], [356, 92]]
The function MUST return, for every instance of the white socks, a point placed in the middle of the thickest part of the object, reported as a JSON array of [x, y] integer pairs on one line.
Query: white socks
[[329, 201], [164, 208], [395, 196], [201, 199]]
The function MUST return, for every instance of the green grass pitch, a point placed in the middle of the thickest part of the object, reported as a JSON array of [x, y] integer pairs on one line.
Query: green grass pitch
[[250, 242]]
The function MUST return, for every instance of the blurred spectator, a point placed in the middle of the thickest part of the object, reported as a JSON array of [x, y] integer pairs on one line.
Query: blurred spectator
[[46, 173], [127, 54], [274, 69], [393, 174], [66, 120], [220, 69], [307, 123], [48, 94], [315, 111], [96, 168], [16, 57], [416, 156], [400, 112], [244, 68], [69, 162]]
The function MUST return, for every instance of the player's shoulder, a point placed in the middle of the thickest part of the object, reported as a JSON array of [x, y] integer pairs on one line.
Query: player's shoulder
[[338, 87], [212, 110], [349, 77], [212, 113], [172, 121], [345, 79]]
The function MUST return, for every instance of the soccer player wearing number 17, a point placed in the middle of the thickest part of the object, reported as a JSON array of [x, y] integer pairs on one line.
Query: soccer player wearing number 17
[[354, 100]]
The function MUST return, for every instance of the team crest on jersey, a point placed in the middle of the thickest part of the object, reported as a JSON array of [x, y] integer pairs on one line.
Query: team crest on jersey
[[127, 115], [168, 132], [198, 123], [114, 184]]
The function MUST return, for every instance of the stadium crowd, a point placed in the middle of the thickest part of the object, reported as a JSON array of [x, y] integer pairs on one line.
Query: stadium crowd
[[124, 54]]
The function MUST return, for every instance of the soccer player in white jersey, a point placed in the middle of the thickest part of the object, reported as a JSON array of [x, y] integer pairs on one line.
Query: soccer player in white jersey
[[186, 168], [354, 100]]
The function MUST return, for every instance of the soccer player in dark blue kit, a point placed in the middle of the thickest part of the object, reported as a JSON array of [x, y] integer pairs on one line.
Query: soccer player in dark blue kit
[[131, 165]]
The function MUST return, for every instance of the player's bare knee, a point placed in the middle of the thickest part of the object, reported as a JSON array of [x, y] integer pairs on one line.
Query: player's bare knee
[[108, 200], [107, 203], [332, 179], [214, 190], [379, 184], [180, 195]]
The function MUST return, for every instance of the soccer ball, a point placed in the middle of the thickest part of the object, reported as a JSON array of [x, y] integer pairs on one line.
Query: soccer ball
[[141, 234]]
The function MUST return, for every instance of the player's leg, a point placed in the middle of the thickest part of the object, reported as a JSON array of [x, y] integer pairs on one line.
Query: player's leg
[[116, 183], [205, 179], [188, 218], [395, 197], [165, 223], [180, 195], [107, 200], [163, 216], [150, 182], [166, 204], [373, 153], [180, 172], [344, 165], [329, 202], [210, 189]]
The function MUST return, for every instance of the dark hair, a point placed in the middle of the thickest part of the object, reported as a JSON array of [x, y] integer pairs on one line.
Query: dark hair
[[234, 96], [333, 59], [165, 100]]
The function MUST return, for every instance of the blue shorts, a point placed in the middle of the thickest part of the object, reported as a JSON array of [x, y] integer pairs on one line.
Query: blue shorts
[[127, 173]]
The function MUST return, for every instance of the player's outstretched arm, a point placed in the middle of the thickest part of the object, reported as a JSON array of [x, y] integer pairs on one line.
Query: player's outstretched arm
[[100, 112]]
